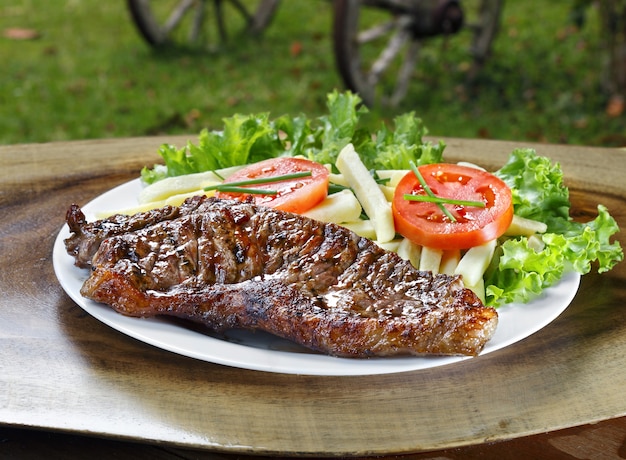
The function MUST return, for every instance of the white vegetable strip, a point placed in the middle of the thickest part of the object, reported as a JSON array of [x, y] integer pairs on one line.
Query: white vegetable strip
[[449, 261], [338, 179], [520, 226], [367, 191], [388, 192], [337, 208], [410, 251], [467, 164], [536, 242], [430, 259], [363, 228], [478, 289], [474, 263], [174, 200], [394, 175], [391, 246], [177, 185]]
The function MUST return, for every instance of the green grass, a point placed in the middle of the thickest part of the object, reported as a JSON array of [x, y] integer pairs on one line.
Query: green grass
[[90, 75]]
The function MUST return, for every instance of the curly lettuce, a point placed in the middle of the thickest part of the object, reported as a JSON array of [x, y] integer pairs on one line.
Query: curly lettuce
[[246, 139], [520, 271]]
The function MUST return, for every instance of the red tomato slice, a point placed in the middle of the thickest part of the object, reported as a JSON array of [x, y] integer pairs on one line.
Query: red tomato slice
[[425, 223], [294, 195]]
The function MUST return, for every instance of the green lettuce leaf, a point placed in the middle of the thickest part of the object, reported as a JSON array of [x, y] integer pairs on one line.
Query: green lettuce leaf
[[332, 132], [520, 272], [244, 139], [397, 148], [249, 138], [537, 187]]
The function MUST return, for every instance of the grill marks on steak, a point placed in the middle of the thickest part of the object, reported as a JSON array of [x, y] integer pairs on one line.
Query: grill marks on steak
[[86, 237], [235, 265]]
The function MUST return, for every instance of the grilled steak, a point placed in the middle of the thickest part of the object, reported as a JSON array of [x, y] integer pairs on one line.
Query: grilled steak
[[229, 264], [86, 237]]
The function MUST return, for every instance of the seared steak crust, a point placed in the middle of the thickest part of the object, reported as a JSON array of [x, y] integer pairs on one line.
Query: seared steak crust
[[236, 265], [87, 236]]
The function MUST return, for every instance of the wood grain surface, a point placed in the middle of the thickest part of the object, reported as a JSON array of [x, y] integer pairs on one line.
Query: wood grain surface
[[63, 373]]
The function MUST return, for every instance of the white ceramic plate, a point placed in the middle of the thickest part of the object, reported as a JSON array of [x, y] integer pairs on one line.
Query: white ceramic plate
[[264, 352]]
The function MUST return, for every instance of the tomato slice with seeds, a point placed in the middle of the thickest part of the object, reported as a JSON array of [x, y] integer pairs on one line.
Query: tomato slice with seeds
[[425, 224], [293, 195]]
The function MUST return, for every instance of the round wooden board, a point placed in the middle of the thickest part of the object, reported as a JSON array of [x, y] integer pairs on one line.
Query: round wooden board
[[62, 370]]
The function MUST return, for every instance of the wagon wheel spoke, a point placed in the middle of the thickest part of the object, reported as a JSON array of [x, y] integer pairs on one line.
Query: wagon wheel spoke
[[376, 32], [198, 21], [244, 11], [219, 20], [177, 16], [389, 53], [406, 73]]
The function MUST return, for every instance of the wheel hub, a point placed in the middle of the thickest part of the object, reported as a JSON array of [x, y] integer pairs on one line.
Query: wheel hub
[[437, 17]]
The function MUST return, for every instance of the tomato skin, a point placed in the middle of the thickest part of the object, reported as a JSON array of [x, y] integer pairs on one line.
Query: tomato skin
[[425, 224], [294, 195]]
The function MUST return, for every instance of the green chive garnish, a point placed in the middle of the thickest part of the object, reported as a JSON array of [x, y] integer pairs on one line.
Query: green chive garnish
[[335, 188], [437, 199], [218, 174], [252, 191], [260, 180], [430, 193]]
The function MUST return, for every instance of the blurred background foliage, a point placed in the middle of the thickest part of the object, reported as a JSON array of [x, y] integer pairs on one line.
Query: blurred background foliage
[[75, 69]]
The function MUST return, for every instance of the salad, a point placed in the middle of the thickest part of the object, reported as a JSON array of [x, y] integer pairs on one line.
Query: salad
[[333, 169]]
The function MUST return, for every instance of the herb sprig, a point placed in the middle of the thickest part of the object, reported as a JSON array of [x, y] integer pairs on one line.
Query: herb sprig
[[241, 186]]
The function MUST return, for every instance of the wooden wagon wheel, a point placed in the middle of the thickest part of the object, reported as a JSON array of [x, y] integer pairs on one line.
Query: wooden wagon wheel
[[377, 42], [199, 24]]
